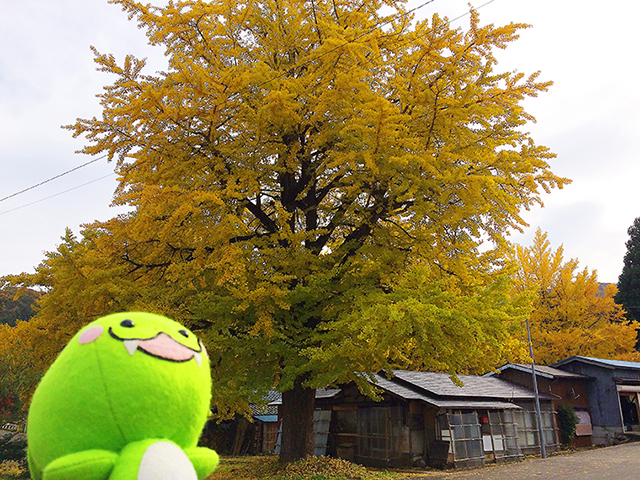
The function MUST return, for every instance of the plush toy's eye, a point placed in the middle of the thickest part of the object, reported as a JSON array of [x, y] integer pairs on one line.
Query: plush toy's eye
[[184, 333], [127, 323]]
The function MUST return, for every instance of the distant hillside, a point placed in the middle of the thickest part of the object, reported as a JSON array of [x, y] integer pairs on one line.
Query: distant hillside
[[20, 309], [601, 288]]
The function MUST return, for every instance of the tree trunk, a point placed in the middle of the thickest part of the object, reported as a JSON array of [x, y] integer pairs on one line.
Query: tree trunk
[[297, 423], [242, 426]]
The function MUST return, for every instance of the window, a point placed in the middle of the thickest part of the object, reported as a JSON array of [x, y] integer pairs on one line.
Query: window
[[462, 430], [500, 437], [527, 428]]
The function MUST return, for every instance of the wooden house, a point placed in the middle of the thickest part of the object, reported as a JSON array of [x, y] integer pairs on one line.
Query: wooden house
[[240, 435], [566, 388], [613, 392], [425, 418]]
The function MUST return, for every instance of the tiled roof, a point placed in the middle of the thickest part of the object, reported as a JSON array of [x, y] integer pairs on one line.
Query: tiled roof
[[273, 395], [555, 372], [439, 390], [412, 394], [269, 405], [440, 384], [600, 361], [475, 404], [320, 393], [541, 370], [327, 392], [271, 409], [399, 390]]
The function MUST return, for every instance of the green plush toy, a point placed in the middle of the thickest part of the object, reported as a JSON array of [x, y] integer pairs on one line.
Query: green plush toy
[[126, 400]]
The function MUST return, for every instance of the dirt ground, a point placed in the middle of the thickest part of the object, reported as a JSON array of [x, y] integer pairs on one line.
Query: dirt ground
[[620, 462]]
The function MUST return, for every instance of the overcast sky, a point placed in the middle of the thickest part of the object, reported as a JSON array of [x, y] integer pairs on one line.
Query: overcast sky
[[590, 118]]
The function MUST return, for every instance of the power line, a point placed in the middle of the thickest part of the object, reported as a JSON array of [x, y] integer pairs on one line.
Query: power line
[[469, 12], [57, 194], [51, 179], [374, 57], [376, 27], [358, 37], [448, 22]]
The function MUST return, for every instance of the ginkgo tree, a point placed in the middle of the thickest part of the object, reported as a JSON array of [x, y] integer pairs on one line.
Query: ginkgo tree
[[573, 313], [310, 183], [19, 369]]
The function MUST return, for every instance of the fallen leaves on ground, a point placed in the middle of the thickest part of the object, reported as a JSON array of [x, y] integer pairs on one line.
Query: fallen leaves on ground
[[310, 468]]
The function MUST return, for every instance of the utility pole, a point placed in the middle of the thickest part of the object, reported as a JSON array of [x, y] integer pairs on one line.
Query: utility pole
[[543, 446]]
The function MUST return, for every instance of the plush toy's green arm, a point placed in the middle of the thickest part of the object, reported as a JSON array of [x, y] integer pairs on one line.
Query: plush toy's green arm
[[204, 461], [35, 473], [87, 465]]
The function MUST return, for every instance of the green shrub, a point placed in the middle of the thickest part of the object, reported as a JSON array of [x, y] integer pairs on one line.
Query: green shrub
[[567, 421], [13, 447]]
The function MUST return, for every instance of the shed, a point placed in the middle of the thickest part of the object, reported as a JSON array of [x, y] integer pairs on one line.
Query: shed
[[240, 435], [567, 388], [425, 417], [614, 395]]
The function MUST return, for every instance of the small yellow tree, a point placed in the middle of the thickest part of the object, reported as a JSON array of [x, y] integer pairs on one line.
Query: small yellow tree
[[573, 313], [20, 367]]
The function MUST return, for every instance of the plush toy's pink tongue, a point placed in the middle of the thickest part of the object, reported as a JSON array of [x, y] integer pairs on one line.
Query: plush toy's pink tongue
[[163, 346]]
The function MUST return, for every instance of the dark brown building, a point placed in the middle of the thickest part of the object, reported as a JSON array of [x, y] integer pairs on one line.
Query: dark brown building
[[614, 396], [427, 418], [566, 388]]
